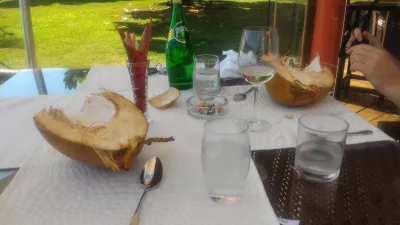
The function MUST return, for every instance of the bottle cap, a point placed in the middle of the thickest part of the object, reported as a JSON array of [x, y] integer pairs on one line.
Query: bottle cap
[[177, 1]]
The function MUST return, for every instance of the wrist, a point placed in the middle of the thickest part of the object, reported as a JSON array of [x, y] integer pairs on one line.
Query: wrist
[[393, 93], [392, 88]]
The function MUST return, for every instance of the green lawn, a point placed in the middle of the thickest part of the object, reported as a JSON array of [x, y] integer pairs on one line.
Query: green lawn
[[66, 35], [79, 33]]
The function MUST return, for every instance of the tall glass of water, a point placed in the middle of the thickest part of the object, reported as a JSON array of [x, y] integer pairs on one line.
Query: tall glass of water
[[225, 157], [258, 60], [321, 139], [206, 77]]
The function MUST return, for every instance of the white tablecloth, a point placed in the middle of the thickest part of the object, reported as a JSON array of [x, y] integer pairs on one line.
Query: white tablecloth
[[19, 137], [18, 134], [52, 189]]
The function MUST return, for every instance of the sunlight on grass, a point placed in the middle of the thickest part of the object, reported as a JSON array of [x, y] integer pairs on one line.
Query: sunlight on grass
[[139, 21]]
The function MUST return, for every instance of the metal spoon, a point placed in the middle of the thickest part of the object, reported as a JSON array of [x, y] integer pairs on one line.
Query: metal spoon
[[361, 132], [242, 96], [150, 177]]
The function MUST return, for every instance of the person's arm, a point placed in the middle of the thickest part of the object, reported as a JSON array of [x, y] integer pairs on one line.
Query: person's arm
[[378, 66]]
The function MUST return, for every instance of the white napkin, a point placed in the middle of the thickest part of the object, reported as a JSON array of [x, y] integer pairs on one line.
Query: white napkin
[[247, 59], [229, 66]]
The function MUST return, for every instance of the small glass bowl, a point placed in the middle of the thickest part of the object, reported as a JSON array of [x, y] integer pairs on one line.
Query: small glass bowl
[[207, 108]]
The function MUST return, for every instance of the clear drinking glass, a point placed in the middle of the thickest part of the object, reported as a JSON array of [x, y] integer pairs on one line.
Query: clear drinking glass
[[321, 140], [225, 157], [206, 78], [258, 59]]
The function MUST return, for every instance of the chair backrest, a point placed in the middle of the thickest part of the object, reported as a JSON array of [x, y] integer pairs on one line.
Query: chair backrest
[[392, 35]]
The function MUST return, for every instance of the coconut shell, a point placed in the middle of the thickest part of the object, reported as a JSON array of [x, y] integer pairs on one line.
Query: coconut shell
[[285, 89], [166, 99], [108, 145]]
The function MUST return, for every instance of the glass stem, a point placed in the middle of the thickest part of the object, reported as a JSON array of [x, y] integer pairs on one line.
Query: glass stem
[[256, 88]]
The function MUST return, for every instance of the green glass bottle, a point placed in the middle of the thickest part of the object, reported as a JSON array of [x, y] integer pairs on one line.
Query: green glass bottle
[[179, 51]]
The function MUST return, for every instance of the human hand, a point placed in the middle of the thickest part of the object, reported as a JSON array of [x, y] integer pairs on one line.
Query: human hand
[[357, 35], [379, 67]]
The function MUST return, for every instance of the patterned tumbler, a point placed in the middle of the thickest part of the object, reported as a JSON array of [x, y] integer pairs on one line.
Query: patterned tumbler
[[138, 74]]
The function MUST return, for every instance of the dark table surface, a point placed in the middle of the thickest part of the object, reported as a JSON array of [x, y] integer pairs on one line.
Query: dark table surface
[[366, 192]]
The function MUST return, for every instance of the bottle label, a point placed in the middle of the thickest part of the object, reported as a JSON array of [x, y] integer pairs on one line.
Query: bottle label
[[179, 33]]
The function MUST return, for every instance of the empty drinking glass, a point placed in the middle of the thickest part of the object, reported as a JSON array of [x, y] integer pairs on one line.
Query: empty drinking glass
[[321, 139], [225, 157], [206, 76]]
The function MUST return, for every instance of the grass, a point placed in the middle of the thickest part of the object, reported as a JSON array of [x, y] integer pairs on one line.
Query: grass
[[79, 33], [66, 35]]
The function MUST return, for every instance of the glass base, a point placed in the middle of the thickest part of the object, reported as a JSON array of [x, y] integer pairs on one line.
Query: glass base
[[258, 125], [316, 177], [225, 199]]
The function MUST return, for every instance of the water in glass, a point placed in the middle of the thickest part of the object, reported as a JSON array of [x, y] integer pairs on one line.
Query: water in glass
[[225, 158], [225, 168], [321, 158], [320, 146], [206, 77], [207, 82]]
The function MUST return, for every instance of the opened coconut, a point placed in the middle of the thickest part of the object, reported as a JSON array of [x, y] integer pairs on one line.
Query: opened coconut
[[296, 87], [107, 132], [166, 99]]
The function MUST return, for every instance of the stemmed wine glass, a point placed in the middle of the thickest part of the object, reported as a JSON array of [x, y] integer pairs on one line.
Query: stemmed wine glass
[[258, 61]]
